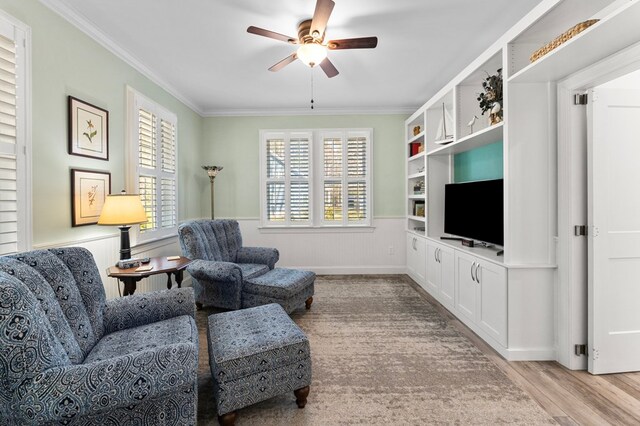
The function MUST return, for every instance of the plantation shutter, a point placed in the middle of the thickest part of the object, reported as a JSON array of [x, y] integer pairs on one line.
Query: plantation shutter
[[299, 177], [168, 199], [12, 173], [156, 167], [332, 185], [276, 162], [147, 140], [357, 178]]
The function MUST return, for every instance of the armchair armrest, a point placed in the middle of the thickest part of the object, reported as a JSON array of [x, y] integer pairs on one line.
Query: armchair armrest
[[61, 393], [147, 308], [262, 255], [210, 270], [222, 281]]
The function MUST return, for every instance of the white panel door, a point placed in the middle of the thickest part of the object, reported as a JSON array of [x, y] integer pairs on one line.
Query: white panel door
[[467, 287], [492, 309], [614, 230], [447, 277], [433, 270]]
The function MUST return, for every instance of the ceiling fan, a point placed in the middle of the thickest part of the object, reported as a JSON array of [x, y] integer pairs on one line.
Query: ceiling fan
[[312, 49]]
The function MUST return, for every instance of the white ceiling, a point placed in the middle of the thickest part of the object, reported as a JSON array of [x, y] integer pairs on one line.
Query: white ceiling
[[200, 50]]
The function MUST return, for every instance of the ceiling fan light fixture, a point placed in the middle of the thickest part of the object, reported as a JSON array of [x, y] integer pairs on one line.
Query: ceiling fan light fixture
[[311, 54]]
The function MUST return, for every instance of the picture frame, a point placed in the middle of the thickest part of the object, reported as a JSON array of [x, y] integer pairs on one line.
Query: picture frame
[[88, 128], [89, 190]]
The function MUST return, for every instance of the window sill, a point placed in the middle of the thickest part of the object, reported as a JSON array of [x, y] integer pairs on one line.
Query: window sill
[[316, 229]]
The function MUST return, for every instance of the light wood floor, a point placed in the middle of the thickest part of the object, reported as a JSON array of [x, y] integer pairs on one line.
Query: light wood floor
[[570, 397]]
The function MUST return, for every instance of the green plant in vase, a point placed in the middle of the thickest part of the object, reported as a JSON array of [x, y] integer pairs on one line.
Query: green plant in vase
[[491, 99]]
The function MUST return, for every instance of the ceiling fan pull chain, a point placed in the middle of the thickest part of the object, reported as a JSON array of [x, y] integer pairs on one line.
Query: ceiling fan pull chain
[[311, 88]]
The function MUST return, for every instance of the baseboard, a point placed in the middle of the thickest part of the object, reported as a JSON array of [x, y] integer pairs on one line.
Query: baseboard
[[351, 270], [540, 354]]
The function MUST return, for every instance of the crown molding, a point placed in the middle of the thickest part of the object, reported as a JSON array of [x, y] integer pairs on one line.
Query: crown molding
[[91, 30], [307, 111]]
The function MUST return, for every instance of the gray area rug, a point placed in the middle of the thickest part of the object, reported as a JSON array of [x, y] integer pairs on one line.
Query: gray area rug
[[382, 354]]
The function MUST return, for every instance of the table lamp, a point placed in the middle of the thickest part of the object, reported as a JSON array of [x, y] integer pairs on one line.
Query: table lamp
[[123, 210]]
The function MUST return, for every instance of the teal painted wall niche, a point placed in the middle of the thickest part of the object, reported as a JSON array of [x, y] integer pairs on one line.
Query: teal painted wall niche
[[482, 163]]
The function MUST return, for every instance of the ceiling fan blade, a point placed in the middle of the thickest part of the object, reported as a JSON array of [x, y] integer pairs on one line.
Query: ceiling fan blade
[[283, 63], [271, 34], [353, 43], [329, 69], [321, 16]]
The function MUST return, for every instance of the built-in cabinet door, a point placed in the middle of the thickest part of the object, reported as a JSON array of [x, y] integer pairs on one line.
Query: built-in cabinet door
[[492, 300], [433, 270], [416, 258], [447, 276], [467, 287]]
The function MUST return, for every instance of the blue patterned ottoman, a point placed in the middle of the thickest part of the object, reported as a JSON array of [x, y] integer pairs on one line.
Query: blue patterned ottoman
[[289, 288], [256, 354]]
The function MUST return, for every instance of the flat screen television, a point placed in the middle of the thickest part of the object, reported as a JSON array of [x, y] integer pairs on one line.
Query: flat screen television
[[474, 210]]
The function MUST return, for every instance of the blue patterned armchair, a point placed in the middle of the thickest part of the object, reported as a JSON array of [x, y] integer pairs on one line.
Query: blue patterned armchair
[[221, 263], [70, 357]]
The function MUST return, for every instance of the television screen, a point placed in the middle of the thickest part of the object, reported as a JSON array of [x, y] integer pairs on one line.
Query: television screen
[[475, 210]]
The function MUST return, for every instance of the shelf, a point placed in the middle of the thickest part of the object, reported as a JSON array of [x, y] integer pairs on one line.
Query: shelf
[[416, 175], [417, 156], [481, 138], [416, 137], [417, 218], [417, 233], [611, 34], [416, 197]]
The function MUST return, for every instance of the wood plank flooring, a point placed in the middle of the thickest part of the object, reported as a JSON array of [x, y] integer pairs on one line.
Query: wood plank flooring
[[570, 397]]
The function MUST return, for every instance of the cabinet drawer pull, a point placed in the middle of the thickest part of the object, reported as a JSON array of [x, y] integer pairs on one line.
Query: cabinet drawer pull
[[472, 266], [477, 271], [439, 253], [435, 255]]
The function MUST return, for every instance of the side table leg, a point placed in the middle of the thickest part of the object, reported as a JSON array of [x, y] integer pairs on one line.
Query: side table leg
[[178, 275], [129, 286], [169, 283]]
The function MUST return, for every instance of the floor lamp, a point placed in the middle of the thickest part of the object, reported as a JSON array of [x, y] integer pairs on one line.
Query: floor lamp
[[212, 171], [123, 210]]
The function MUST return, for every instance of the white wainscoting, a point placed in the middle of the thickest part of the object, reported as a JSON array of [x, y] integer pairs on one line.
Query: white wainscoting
[[320, 250], [376, 250], [105, 251]]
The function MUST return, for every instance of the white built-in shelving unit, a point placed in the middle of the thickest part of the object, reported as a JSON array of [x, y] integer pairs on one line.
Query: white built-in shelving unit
[[508, 300]]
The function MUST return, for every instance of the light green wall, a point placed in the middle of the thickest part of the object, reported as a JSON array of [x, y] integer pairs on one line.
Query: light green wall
[[232, 142], [479, 164], [67, 62]]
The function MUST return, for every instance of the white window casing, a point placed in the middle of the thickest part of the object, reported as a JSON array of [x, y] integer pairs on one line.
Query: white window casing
[[15, 136], [152, 169], [315, 178]]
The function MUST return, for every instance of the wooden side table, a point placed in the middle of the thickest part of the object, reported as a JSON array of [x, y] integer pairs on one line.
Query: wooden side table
[[160, 266]]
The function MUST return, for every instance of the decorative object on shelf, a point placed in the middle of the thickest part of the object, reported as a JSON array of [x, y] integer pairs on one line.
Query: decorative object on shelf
[[418, 188], [491, 99], [471, 123], [418, 208], [562, 38], [88, 192], [212, 171], [442, 137], [88, 129], [419, 228], [123, 210], [416, 130], [415, 148]]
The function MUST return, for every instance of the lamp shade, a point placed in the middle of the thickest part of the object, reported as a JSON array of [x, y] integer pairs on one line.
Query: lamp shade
[[122, 209], [311, 54]]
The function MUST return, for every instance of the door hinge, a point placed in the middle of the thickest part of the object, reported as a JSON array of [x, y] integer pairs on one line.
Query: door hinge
[[581, 350], [580, 230], [580, 99]]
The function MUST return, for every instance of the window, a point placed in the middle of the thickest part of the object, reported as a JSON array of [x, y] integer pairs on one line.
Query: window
[[15, 187], [152, 165], [315, 178]]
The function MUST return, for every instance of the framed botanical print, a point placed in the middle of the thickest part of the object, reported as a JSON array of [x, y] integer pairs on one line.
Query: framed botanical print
[[88, 130], [89, 190]]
